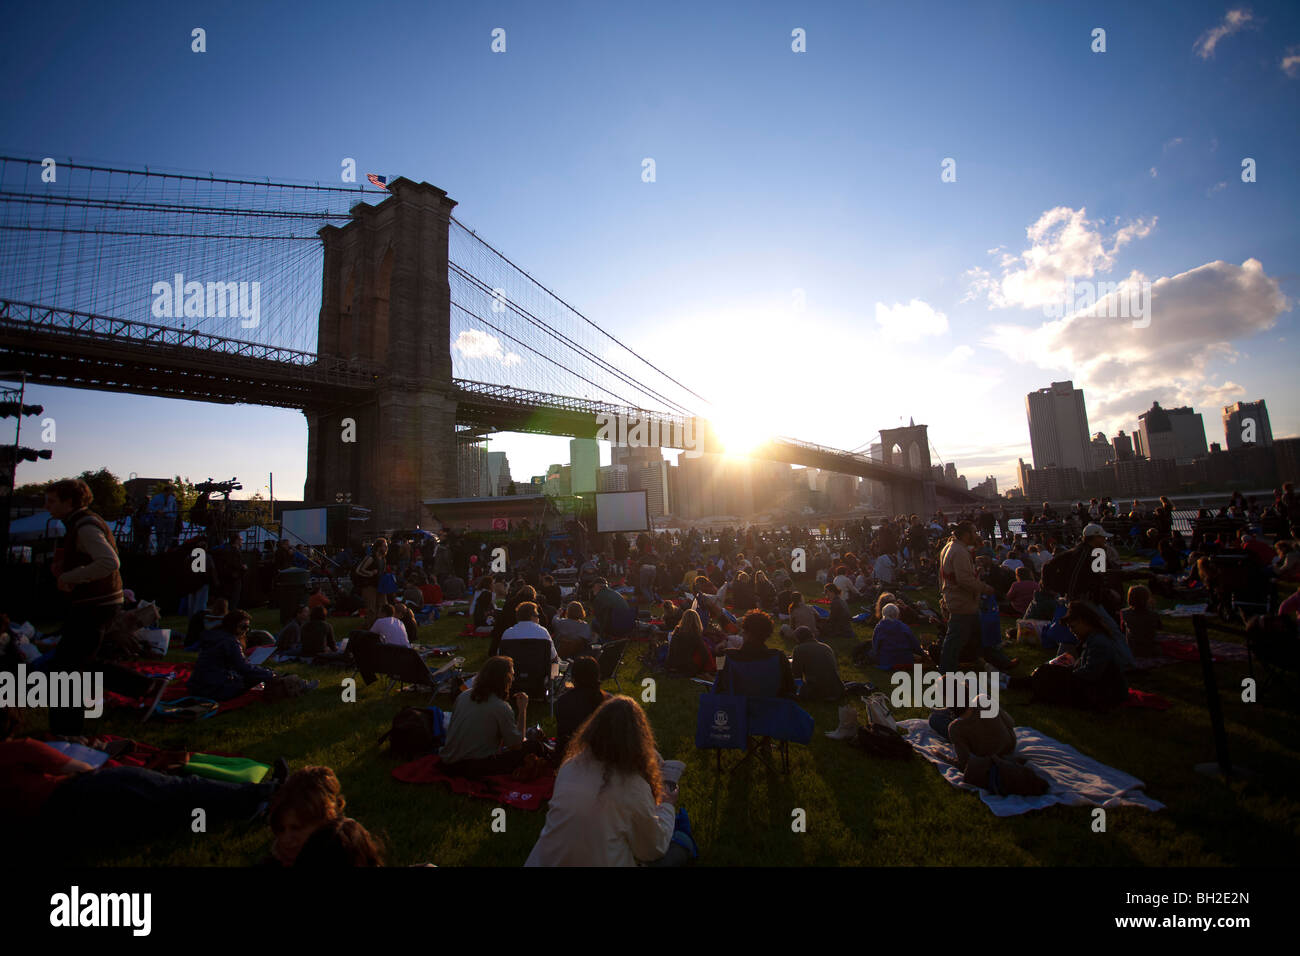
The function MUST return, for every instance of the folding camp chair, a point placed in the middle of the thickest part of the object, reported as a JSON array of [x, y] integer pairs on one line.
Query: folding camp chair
[[403, 666], [362, 649], [535, 673], [768, 716], [611, 656]]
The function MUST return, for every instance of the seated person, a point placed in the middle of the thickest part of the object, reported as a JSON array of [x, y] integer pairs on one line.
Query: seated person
[[894, 645], [614, 617], [576, 705], [431, 592], [973, 734], [403, 613], [308, 800], [485, 736], [840, 624], [453, 588], [222, 672], [815, 662], [688, 653], [289, 639], [610, 806], [1139, 623], [412, 594], [1286, 565], [572, 632], [527, 629], [389, 627], [801, 614], [318, 598], [484, 611], [756, 628], [1096, 680], [317, 634], [550, 592], [1021, 594]]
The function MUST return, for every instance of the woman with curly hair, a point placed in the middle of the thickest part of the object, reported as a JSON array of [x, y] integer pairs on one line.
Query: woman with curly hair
[[610, 806]]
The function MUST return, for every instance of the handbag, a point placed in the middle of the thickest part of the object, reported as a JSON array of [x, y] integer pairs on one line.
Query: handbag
[[990, 622]]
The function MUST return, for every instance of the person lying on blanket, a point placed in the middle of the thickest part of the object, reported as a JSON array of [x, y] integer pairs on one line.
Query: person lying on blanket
[[611, 806], [222, 672], [309, 799], [485, 737], [70, 799]]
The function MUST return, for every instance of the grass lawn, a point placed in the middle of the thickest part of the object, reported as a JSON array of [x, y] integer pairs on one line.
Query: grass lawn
[[860, 810]]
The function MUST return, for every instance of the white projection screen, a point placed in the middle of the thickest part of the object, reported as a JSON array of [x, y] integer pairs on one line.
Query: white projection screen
[[622, 511], [307, 526]]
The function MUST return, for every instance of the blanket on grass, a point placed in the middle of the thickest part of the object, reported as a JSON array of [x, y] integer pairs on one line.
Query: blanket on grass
[[499, 789], [1075, 778], [1181, 647], [179, 672]]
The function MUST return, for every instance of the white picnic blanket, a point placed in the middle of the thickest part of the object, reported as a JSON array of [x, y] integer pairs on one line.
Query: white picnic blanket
[[1076, 780]]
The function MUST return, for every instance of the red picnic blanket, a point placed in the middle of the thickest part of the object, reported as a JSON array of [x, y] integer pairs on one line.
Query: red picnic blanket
[[1146, 700], [1183, 648], [499, 789], [178, 688]]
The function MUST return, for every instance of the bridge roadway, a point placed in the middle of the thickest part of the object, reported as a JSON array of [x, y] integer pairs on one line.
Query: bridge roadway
[[82, 350]]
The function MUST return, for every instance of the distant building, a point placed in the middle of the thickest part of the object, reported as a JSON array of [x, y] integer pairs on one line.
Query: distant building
[[584, 460], [1058, 427], [1050, 483], [1171, 434], [612, 478], [1102, 450], [988, 488], [1239, 419], [1123, 447], [498, 479]]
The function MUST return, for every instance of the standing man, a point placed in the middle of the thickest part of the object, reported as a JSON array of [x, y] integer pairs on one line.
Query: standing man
[[962, 590], [164, 510], [230, 569], [87, 569], [367, 572]]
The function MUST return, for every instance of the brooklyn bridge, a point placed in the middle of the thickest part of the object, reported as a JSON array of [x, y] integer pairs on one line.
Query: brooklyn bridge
[[397, 330]]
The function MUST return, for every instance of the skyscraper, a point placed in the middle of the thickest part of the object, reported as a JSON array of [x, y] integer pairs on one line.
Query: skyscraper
[[1102, 451], [1241, 418], [584, 460], [1171, 434], [1123, 446], [1058, 427]]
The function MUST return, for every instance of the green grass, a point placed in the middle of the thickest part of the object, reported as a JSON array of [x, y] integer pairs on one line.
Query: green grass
[[859, 809]]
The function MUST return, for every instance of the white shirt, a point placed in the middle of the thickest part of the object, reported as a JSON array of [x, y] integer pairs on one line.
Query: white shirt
[[1013, 564], [391, 631], [529, 631], [845, 585], [588, 826], [885, 569]]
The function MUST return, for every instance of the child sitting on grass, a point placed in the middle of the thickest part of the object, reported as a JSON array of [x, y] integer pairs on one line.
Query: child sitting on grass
[[1140, 623]]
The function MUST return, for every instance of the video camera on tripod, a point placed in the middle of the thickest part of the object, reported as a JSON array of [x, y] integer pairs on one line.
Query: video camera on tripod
[[211, 487]]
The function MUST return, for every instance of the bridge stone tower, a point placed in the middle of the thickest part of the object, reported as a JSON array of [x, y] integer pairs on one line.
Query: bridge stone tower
[[386, 302], [909, 448]]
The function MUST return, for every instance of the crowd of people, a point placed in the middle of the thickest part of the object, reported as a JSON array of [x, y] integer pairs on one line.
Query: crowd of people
[[712, 599]]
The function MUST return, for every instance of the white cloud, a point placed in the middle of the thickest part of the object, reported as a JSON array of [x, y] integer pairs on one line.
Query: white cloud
[[911, 322], [474, 344], [1176, 141], [1233, 21], [1153, 172], [1196, 316], [1291, 62], [1064, 244], [1216, 187]]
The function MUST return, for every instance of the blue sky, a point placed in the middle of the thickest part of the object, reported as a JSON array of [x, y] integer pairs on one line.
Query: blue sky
[[780, 177]]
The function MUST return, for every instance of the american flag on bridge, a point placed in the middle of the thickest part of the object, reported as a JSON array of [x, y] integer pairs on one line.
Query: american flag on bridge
[[380, 181]]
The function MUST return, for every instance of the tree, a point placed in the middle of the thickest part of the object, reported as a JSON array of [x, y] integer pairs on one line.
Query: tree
[[110, 495], [258, 511]]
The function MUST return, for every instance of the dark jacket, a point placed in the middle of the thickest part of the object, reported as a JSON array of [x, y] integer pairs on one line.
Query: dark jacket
[[221, 660], [840, 623], [1099, 672]]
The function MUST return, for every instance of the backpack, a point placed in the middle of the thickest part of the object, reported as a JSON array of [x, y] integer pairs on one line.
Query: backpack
[[879, 742], [416, 731]]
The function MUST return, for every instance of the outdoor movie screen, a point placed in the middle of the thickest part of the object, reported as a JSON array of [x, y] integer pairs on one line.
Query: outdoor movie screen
[[622, 511]]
